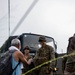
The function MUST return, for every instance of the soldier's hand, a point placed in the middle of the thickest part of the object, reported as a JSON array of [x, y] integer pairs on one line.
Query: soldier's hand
[[30, 60]]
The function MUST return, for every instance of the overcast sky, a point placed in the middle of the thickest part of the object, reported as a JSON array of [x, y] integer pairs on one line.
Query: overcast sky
[[54, 18]]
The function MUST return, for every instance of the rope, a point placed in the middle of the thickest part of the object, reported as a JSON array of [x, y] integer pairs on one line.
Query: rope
[[48, 62]]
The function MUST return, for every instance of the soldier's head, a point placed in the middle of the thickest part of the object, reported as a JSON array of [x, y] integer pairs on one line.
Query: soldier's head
[[71, 44], [42, 40], [26, 50]]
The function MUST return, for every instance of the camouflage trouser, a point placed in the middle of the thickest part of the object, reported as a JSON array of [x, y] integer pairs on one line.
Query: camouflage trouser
[[68, 73], [44, 71], [70, 69]]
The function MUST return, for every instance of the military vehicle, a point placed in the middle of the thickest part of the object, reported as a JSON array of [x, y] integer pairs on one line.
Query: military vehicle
[[31, 40]]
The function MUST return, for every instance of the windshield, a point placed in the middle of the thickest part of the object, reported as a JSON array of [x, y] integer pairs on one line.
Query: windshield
[[32, 41]]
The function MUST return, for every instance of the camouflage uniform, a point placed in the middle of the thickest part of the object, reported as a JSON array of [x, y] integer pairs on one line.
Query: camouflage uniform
[[44, 54], [70, 63], [28, 67]]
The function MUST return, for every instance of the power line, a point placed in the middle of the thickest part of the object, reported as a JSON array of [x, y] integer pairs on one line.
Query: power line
[[24, 16]]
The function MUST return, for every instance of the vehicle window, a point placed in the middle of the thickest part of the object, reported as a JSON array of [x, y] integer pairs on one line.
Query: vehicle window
[[32, 41]]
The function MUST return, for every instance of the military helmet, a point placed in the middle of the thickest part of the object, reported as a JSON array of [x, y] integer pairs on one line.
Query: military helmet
[[42, 38], [26, 48]]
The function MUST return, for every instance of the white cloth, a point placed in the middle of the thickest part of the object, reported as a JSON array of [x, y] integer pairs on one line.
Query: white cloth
[[13, 48], [22, 66]]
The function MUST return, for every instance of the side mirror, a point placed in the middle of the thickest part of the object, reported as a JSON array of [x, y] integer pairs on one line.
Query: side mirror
[[56, 46]]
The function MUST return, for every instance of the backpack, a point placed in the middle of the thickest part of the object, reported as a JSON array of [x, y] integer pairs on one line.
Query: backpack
[[6, 63]]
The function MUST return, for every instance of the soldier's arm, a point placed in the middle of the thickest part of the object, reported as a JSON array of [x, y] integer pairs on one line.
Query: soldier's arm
[[52, 56], [35, 59], [36, 55]]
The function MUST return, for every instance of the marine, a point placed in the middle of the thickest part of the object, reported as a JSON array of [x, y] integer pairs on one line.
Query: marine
[[44, 54], [70, 62]]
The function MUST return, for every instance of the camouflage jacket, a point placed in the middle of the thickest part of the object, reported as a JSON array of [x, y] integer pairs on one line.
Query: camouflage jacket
[[44, 54], [70, 63]]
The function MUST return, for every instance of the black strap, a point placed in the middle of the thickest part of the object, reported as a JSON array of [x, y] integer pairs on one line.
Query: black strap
[[12, 51], [14, 69]]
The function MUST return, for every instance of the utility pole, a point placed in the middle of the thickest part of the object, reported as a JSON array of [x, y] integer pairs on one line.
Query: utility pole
[[9, 17]]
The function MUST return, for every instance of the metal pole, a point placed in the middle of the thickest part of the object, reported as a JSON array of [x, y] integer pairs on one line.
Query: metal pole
[[9, 17]]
